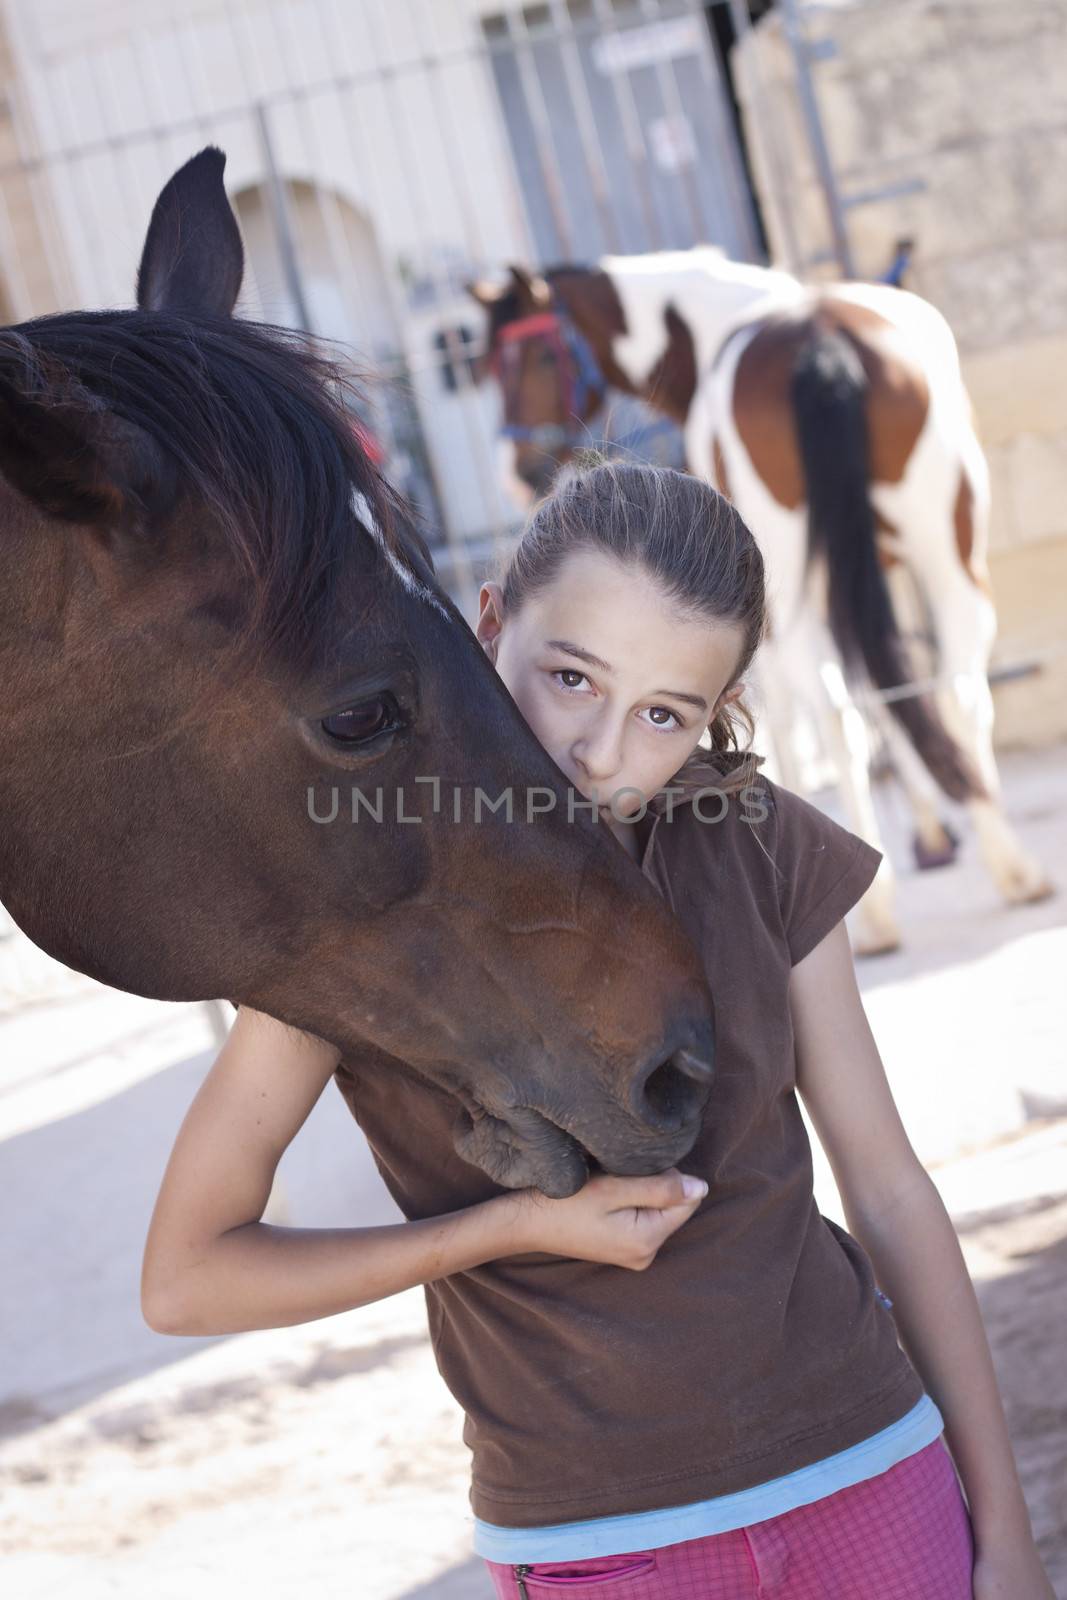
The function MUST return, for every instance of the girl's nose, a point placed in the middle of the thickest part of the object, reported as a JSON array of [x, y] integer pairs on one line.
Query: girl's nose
[[599, 754]]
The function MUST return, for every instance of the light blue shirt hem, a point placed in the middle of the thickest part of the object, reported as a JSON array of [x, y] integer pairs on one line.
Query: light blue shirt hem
[[650, 1530]]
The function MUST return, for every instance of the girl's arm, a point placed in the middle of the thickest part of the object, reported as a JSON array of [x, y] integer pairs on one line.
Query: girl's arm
[[893, 1209], [211, 1266]]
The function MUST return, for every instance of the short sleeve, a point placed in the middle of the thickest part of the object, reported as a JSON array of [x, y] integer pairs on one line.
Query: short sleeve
[[822, 870]]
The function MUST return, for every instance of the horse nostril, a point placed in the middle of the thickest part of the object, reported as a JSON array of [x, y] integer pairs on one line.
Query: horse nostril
[[673, 1093], [693, 1066]]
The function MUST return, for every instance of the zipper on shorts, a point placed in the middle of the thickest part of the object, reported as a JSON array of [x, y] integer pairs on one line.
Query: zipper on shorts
[[520, 1578]]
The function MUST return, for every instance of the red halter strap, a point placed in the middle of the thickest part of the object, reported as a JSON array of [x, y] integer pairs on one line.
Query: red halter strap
[[577, 375], [529, 327]]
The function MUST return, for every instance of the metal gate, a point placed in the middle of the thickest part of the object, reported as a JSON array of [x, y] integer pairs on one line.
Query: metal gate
[[619, 124], [381, 154]]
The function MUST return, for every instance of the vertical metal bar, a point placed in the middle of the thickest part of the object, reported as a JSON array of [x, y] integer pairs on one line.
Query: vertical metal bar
[[133, 201], [798, 43], [462, 187], [667, 79], [326, 201], [420, 210], [455, 352], [144, 50], [91, 244], [395, 370], [452, 140], [501, 145], [328, 205], [633, 133], [764, 113], [203, 123], [547, 157], [19, 297], [283, 228], [588, 133], [39, 182]]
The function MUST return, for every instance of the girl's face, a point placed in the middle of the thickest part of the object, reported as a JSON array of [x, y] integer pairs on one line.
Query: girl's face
[[614, 682]]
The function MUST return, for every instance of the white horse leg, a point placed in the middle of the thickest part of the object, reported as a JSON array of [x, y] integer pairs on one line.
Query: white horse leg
[[966, 625], [772, 708], [877, 930], [934, 844]]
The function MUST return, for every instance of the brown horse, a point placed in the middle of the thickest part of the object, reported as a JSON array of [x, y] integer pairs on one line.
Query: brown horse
[[837, 421], [218, 626]]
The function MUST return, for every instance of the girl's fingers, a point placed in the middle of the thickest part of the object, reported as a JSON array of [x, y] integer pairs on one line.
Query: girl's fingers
[[665, 1189]]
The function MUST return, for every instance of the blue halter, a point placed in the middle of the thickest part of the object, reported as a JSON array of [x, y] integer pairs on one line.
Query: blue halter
[[580, 378]]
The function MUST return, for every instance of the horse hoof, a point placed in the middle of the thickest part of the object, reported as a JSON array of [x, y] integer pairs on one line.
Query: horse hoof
[[1030, 893], [929, 856]]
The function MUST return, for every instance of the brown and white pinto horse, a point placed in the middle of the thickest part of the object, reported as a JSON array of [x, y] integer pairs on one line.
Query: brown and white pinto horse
[[837, 421]]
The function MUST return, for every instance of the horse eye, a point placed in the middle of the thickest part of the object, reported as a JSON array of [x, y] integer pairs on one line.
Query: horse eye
[[360, 723]]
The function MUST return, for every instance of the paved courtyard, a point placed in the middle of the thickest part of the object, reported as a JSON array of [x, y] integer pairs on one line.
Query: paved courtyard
[[327, 1458]]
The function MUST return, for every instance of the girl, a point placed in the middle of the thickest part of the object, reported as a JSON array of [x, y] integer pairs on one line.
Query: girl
[[735, 1416]]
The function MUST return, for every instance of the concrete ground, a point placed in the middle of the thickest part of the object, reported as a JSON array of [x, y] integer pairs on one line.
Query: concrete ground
[[328, 1456]]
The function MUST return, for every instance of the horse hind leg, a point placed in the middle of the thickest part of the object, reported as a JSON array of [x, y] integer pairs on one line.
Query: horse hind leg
[[845, 737], [934, 842], [774, 707], [965, 623]]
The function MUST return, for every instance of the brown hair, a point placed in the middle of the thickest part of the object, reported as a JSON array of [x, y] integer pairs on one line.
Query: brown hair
[[687, 537]]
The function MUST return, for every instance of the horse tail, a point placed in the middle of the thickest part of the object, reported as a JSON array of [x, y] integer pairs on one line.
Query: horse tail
[[828, 393]]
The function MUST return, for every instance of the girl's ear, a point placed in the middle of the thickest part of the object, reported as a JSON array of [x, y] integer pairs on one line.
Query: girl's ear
[[490, 617], [733, 693]]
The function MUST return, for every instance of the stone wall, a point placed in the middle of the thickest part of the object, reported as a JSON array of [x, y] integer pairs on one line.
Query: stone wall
[[947, 123]]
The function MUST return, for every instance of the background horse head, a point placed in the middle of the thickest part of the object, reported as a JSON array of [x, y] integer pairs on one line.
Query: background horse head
[[217, 622], [551, 381]]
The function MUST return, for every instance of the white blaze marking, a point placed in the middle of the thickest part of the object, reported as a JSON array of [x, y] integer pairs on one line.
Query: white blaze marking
[[411, 583]]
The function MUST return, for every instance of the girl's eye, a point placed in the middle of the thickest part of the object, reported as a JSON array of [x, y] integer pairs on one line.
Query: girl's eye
[[361, 723], [672, 724], [569, 672]]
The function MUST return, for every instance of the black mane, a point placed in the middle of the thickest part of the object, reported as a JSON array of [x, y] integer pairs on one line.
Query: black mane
[[256, 421]]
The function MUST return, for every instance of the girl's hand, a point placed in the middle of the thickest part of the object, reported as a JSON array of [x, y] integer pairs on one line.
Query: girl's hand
[[622, 1221], [1011, 1572]]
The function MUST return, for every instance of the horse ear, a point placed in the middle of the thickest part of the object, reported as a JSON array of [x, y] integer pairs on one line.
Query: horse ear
[[533, 290], [485, 291], [73, 458], [193, 260]]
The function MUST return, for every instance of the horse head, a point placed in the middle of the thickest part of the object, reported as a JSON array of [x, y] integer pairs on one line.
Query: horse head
[[242, 725], [548, 370]]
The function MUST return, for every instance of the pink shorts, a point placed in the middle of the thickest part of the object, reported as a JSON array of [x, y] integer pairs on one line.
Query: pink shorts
[[903, 1535]]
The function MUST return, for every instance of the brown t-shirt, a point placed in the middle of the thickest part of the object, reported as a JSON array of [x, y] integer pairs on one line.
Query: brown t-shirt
[[755, 1343]]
